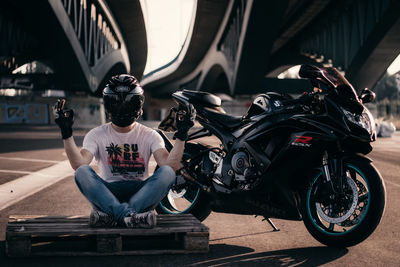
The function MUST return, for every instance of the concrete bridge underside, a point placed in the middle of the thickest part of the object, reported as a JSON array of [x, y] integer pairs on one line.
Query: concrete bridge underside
[[250, 42], [83, 42], [233, 46]]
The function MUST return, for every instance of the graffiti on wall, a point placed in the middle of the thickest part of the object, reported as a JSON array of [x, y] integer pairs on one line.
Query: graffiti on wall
[[24, 113]]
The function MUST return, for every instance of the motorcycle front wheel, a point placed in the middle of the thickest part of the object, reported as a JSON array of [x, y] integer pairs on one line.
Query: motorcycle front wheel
[[346, 219]]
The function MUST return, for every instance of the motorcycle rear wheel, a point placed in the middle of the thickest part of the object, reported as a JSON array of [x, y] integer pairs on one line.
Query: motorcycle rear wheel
[[187, 198], [349, 219]]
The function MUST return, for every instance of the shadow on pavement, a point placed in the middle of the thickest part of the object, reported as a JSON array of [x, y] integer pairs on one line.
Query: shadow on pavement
[[219, 255], [311, 256]]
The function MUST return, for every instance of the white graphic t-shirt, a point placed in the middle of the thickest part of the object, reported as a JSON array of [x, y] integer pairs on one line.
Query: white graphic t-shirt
[[123, 156]]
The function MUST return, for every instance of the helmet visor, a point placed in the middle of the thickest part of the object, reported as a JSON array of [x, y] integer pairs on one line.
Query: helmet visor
[[123, 105]]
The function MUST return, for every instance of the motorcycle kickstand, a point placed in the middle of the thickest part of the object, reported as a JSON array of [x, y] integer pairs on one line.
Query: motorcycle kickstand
[[276, 229]]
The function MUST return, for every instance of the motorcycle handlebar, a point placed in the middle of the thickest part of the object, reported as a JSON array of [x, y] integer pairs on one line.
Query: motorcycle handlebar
[[306, 102]]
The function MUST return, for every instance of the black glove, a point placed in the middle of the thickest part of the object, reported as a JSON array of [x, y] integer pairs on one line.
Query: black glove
[[184, 121], [64, 118]]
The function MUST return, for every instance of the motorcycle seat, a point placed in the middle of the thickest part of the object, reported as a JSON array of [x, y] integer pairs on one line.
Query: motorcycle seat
[[227, 120], [202, 98], [212, 105]]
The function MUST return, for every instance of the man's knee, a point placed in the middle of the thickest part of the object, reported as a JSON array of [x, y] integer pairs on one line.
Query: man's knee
[[82, 173], [167, 174]]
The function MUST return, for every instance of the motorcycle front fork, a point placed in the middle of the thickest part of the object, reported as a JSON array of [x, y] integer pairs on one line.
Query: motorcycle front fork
[[333, 173]]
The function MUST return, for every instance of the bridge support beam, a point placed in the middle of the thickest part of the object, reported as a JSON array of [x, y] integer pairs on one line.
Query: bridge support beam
[[94, 37], [256, 43], [376, 56], [360, 37]]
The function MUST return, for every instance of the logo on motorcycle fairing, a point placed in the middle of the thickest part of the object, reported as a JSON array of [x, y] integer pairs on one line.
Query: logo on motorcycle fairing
[[303, 141], [277, 103]]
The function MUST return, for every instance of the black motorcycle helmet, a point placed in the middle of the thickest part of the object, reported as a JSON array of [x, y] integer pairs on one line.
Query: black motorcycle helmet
[[123, 99]]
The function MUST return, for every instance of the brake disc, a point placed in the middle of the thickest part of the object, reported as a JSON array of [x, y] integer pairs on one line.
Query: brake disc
[[330, 215], [360, 209]]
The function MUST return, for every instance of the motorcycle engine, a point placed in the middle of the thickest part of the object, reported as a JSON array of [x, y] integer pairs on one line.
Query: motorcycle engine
[[245, 174], [239, 174], [240, 162]]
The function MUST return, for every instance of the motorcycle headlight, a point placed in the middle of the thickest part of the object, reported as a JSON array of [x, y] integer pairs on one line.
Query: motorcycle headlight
[[365, 120]]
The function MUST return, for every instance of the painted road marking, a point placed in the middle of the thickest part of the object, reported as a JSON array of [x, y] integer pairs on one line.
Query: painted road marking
[[18, 172], [31, 160], [23, 187]]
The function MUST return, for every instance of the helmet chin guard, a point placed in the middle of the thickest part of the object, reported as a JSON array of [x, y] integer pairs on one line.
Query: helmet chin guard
[[124, 120], [123, 100]]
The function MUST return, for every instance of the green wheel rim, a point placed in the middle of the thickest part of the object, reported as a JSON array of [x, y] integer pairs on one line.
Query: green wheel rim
[[330, 231]]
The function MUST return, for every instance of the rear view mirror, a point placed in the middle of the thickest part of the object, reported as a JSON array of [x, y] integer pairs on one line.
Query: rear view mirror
[[367, 96]]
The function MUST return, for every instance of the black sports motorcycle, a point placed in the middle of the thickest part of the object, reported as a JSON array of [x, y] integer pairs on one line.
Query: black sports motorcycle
[[295, 159]]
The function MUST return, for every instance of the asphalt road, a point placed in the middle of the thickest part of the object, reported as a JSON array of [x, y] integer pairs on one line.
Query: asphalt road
[[234, 239]]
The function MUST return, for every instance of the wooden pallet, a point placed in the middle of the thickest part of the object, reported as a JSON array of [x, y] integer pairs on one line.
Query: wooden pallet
[[72, 236]]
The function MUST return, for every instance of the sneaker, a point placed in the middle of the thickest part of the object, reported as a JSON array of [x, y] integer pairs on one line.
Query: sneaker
[[100, 219], [141, 220]]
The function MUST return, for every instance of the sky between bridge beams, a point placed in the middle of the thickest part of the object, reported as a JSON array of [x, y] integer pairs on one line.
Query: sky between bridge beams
[[167, 25]]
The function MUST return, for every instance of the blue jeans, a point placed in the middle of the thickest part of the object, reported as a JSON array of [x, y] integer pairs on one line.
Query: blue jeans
[[123, 197]]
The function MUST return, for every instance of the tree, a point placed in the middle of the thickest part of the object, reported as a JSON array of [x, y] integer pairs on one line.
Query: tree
[[113, 152]]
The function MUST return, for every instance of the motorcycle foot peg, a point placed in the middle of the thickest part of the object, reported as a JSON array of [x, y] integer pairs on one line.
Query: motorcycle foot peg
[[276, 229]]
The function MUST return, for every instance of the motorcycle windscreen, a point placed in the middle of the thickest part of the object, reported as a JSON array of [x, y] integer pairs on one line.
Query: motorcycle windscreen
[[346, 95]]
